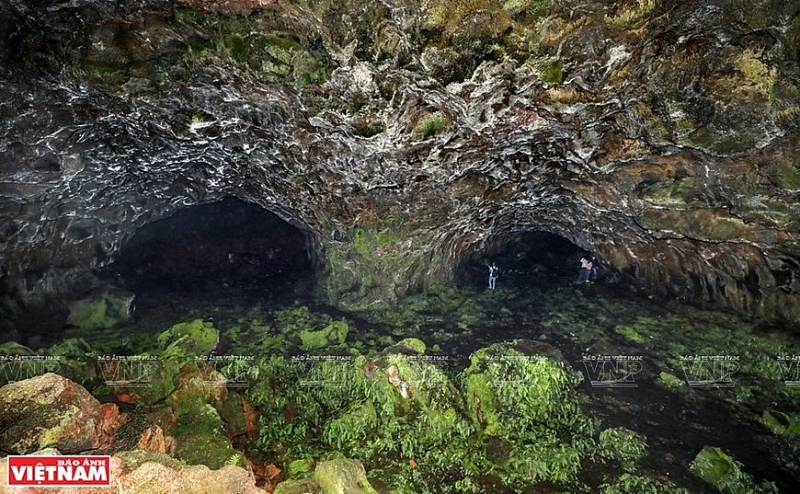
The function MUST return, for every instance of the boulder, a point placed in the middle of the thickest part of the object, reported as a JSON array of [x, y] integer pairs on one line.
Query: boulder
[[343, 476], [52, 411]]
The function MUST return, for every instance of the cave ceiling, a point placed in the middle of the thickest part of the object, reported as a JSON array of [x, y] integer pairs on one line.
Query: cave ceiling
[[403, 137]]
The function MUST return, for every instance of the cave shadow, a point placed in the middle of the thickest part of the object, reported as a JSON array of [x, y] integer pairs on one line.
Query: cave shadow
[[226, 250], [535, 259]]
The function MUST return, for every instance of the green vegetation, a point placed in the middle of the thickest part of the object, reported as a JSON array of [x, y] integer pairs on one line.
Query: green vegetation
[[674, 195], [781, 423], [516, 416], [431, 124], [633, 484], [552, 72], [723, 472], [103, 312], [786, 174], [631, 16], [671, 381], [187, 339], [335, 332], [759, 75], [622, 445]]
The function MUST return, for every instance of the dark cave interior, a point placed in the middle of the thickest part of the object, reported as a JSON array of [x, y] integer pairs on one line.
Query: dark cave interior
[[537, 258], [227, 244]]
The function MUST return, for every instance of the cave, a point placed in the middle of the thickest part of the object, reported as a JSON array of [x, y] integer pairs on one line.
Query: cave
[[230, 246], [530, 258], [330, 180]]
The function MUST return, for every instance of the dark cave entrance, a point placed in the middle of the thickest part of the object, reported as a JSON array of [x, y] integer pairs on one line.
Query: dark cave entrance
[[228, 247], [535, 258]]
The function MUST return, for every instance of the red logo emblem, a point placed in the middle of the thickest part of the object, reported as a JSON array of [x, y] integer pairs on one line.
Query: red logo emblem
[[61, 471]]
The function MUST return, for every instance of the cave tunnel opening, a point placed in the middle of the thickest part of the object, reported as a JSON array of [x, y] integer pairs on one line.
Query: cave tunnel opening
[[532, 258], [227, 247]]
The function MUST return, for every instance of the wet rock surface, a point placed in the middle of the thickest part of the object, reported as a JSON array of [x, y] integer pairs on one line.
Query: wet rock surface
[[403, 142]]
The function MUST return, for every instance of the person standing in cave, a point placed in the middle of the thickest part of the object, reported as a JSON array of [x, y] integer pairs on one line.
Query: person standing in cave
[[593, 269], [586, 270], [493, 272]]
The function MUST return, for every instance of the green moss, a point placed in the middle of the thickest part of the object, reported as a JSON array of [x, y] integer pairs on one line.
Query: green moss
[[630, 332], [305, 486], [709, 225], [696, 223], [508, 392], [633, 15], [662, 219], [552, 72], [103, 312], [675, 195], [786, 174], [189, 338], [14, 348], [757, 73], [724, 473], [415, 343], [361, 242], [333, 333], [309, 70], [302, 467], [238, 47], [781, 423], [191, 16], [343, 476], [200, 438], [670, 381]]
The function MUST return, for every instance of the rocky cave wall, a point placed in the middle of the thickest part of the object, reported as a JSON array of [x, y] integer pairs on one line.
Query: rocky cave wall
[[403, 136]]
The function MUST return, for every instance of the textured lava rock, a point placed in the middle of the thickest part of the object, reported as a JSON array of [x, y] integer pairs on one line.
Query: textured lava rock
[[405, 137]]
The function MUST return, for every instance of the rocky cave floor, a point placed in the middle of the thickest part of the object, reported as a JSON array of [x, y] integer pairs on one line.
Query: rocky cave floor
[[245, 273], [726, 410]]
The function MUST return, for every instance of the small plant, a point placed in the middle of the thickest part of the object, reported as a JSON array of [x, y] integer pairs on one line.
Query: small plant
[[623, 445], [633, 484], [552, 72], [631, 16], [431, 124]]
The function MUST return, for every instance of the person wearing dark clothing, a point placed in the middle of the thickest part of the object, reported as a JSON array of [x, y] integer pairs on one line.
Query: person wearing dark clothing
[[493, 272]]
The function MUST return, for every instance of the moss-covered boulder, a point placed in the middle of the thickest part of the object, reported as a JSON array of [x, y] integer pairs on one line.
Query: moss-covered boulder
[[343, 476], [49, 411], [520, 385], [332, 334], [191, 338], [305, 486], [780, 423], [102, 311], [200, 439], [12, 348], [724, 473]]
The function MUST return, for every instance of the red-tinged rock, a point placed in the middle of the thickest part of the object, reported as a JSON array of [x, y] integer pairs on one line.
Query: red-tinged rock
[[48, 411], [109, 421], [154, 439]]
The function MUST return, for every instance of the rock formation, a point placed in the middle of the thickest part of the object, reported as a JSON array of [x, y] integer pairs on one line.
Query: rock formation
[[406, 137]]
